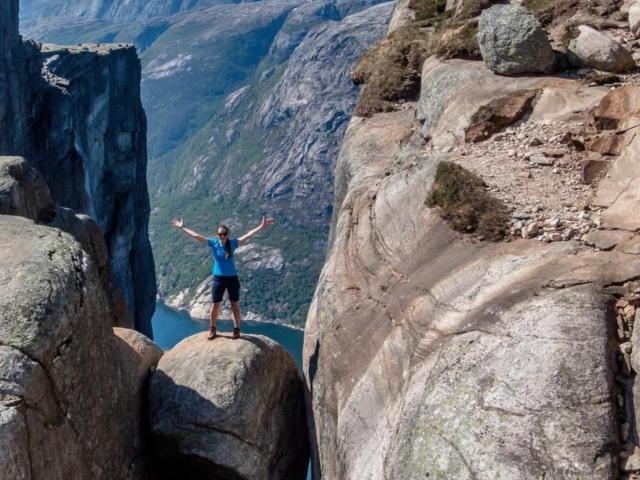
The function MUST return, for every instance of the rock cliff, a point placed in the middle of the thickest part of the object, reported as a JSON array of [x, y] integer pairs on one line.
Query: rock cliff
[[66, 400], [433, 352], [75, 114]]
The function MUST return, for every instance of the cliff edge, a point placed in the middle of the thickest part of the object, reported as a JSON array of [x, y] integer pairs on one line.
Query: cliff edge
[[474, 318]]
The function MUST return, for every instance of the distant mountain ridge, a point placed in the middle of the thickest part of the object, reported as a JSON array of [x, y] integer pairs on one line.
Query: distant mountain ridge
[[125, 10]]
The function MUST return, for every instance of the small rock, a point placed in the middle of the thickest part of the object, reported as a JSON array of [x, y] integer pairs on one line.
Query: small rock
[[555, 237], [531, 230], [498, 137], [632, 462], [511, 153], [626, 347], [629, 312], [555, 152], [541, 161], [519, 215], [592, 48], [553, 222], [535, 142]]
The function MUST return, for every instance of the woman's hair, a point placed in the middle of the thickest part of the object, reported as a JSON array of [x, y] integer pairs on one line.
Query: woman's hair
[[228, 253]]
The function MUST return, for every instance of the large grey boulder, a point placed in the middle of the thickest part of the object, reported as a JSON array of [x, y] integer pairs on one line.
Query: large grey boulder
[[23, 191], [594, 49], [228, 409], [62, 393], [512, 41], [76, 115]]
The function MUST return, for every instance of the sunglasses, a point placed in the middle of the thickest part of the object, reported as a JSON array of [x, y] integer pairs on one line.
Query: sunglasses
[[223, 234]]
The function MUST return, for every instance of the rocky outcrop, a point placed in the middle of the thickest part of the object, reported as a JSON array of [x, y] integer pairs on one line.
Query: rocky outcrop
[[63, 397], [23, 192], [75, 114], [512, 41], [98, 106], [593, 49], [464, 347], [456, 95], [228, 409]]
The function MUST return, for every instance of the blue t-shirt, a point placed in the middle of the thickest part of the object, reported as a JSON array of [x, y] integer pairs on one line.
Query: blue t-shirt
[[222, 267]]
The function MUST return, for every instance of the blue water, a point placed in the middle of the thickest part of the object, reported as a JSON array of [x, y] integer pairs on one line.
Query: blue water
[[169, 327]]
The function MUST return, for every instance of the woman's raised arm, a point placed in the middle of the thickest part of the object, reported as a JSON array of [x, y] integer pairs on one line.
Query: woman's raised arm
[[264, 224], [179, 224]]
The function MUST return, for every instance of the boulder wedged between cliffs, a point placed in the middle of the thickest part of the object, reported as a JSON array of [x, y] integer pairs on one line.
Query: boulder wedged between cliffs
[[228, 409]]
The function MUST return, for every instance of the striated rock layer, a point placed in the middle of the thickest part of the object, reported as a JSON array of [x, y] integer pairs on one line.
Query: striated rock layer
[[75, 114], [434, 354]]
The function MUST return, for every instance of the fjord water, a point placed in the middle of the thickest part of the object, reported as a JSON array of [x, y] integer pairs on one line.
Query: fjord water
[[169, 327]]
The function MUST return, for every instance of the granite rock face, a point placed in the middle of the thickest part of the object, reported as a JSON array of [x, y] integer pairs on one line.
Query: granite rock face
[[23, 192], [228, 409], [75, 114], [512, 41], [62, 393], [481, 360]]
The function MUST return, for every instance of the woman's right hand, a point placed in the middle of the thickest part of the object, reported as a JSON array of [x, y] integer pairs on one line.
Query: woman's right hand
[[177, 222]]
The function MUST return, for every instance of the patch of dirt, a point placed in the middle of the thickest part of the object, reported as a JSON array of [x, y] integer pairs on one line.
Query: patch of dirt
[[536, 171]]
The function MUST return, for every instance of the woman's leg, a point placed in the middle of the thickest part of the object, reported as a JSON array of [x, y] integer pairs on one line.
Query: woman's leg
[[217, 291], [215, 309], [234, 299], [235, 308], [213, 318]]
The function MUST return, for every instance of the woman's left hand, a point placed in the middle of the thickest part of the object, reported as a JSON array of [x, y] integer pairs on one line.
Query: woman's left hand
[[266, 222]]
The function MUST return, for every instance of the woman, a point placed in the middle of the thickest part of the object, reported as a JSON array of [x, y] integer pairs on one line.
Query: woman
[[225, 276]]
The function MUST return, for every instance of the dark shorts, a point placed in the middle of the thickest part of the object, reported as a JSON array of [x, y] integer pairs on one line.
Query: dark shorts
[[220, 284]]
